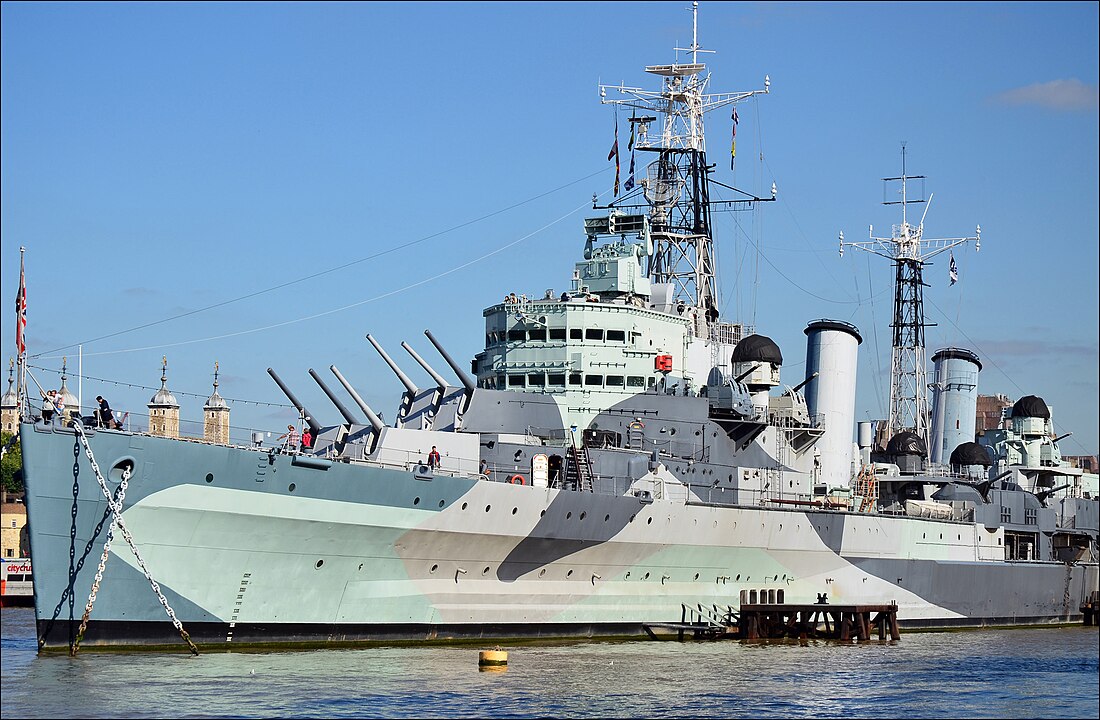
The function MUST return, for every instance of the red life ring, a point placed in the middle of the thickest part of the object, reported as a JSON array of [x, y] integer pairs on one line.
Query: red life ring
[[517, 480]]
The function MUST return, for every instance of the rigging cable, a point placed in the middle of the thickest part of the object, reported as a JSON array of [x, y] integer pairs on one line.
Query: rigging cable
[[320, 273]]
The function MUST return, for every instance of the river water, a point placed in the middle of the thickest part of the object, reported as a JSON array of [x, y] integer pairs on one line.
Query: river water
[[1040, 673]]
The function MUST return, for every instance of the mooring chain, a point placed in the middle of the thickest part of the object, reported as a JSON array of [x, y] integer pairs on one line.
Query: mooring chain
[[102, 563], [116, 509]]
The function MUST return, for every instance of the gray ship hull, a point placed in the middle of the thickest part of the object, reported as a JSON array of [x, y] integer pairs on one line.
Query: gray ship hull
[[253, 547]]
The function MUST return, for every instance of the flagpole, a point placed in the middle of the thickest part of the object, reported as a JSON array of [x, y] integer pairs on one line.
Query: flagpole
[[21, 348]]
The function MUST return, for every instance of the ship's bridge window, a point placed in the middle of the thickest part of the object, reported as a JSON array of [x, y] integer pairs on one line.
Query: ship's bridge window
[[593, 380], [652, 381], [537, 334], [576, 334], [517, 335], [635, 381], [616, 336], [500, 381], [593, 334], [574, 378], [556, 379], [515, 380], [536, 379], [557, 333], [615, 380]]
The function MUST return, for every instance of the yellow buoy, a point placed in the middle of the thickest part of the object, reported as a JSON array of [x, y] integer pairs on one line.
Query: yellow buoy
[[492, 659]]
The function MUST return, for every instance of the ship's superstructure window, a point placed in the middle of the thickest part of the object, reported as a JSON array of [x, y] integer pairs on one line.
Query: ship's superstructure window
[[596, 380], [538, 334], [615, 380], [1031, 516], [593, 334], [556, 379], [536, 379], [574, 378], [1006, 514], [576, 334], [616, 336], [635, 381], [515, 380], [557, 333], [517, 335]]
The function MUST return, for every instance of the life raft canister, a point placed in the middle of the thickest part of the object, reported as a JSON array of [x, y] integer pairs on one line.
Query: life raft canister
[[517, 480]]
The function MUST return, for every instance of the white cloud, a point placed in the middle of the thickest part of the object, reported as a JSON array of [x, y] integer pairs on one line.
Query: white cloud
[[1056, 94]]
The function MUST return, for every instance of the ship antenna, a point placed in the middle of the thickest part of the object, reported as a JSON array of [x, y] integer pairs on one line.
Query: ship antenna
[[909, 251]]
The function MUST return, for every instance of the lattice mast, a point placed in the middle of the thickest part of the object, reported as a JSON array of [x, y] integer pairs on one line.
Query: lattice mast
[[909, 251], [676, 184]]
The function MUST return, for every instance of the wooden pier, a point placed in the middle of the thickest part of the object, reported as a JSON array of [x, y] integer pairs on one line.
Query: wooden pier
[[768, 621], [834, 622]]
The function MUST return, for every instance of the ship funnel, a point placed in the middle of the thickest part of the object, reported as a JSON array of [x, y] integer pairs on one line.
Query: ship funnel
[[831, 350], [314, 427], [954, 401], [454, 366], [409, 385], [428, 368], [375, 421], [335, 401]]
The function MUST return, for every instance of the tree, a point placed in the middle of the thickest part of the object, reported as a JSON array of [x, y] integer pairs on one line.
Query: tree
[[11, 467]]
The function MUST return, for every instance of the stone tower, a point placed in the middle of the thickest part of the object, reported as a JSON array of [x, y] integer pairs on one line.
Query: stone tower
[[72, 405], [215, 424], [9, 405], [164, 411]]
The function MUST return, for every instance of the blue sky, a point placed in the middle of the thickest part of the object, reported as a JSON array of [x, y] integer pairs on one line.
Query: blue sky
[[282, 179]]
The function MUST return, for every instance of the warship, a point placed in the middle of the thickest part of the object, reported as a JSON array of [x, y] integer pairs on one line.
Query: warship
[[616, 458]]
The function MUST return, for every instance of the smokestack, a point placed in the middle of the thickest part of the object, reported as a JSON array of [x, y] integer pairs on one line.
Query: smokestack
[[831, 352]]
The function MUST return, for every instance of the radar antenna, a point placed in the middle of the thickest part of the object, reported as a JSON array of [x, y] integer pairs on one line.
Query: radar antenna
[[909, 251], [676, 184]]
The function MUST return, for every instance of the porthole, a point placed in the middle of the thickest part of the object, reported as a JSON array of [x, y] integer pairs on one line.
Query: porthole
[[645, 577], [485, 571], [209, 477], [542, 572], [696, 576], [416, 501], [515, 510], [606, 518], [442, 503], [631, 518], [289, 488], [568, 515], [583, 515], [360, 566], [649, 521], [487, 507], [465, 505], [569, 574], [541, 514], [320, 563], [434, 568]]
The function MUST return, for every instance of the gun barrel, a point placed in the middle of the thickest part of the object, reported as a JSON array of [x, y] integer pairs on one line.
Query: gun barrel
[[454, 366], [745, 374], [375, 421], [335, 401], [314, 427], [408, 383], [803, 384], [428, 368]]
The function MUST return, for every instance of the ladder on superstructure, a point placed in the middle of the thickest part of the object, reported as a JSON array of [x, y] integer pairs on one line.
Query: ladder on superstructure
[[867, 488], [578, 471]]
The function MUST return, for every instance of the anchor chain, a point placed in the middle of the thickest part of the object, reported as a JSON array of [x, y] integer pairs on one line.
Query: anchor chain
[[116, 510], [102, 564]]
